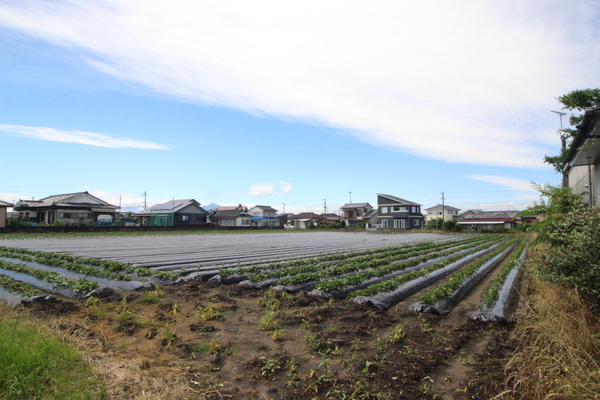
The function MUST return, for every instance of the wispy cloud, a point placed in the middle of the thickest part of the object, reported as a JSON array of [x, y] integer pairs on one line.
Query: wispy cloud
[[74, 136], [507, 182], [259, 191], [461, 81]]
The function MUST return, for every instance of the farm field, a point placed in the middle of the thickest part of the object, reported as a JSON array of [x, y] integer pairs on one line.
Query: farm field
[[333, 324], [187, 251]]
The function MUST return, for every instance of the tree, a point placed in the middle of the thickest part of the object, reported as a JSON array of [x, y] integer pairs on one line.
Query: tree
[[579, 100]]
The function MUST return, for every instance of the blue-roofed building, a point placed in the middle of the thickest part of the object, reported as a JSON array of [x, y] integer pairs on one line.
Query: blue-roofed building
[[263, 216]]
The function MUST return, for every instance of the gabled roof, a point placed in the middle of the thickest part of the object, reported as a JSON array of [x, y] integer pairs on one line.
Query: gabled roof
[[370, 214], [265, 208], [79, 199], [229, 214], [398, 199], [355, 205], [240, 207], [584, 149], [331, 217], [439, 208], [492, 215], [307, 215], [169, 207], [5, 204]]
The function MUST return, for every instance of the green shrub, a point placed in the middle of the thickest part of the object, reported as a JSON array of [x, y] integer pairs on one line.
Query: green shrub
[[573, 256]]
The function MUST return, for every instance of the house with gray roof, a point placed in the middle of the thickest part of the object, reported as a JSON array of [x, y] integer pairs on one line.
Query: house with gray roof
[[79, 208], [236, 217], [356, 213], [180, 213], [445, 212], [263, 216], [397, 213], [489, 220], [3, 215]]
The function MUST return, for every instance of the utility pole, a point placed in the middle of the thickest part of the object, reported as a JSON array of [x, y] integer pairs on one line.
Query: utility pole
[[283, 204], [145, 195], [350, 197], [324, 206], [443, 208]]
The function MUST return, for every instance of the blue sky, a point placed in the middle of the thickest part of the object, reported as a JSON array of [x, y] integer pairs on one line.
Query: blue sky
[[275, 103]]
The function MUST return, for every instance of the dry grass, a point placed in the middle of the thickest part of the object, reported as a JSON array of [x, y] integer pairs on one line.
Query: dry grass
[[559, 354]]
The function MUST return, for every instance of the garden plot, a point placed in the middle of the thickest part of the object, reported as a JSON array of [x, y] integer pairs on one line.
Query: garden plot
[[182, 253]]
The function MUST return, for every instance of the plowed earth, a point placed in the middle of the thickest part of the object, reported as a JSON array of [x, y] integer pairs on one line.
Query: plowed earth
[[153, 344]]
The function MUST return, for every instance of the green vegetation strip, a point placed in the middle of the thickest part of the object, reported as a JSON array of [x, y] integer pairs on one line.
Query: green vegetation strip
[[106, 268], [36, 365], [21, 288], [87, 235], [314, 263], [450, 285], [371, 267], [392, 284], [77, 285], [491, 295]]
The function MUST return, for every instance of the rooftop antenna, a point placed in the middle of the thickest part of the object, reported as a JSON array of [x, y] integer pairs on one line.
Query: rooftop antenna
[[560, 114]]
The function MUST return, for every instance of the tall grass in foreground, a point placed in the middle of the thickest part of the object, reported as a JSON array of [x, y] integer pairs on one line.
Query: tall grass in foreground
[[35, 365], [559, 357]]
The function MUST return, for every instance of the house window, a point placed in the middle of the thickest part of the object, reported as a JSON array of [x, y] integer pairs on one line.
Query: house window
[[415, 209], [385, 224], [398, 209], [82, 215], [416, 222], [384, 210], [396, 224], [184, 218], [64, 215], [246, 222]]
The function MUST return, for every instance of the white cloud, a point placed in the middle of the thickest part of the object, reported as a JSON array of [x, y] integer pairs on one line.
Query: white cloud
[[74, 136], [460, 81], [286, 187], [261, 190], [509, 183], [269, 188]]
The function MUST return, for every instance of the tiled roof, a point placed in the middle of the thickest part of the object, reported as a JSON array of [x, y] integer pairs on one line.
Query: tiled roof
[[265, 208], [63, 200], [355, 205], [5, 204], [439, 208], [169, 206], [492, 215]]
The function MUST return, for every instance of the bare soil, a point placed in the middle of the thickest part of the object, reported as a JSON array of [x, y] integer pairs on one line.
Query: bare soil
[[165, 344]]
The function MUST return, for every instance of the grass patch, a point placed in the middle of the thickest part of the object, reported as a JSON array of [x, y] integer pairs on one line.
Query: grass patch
[[36, 365], [560, 354]]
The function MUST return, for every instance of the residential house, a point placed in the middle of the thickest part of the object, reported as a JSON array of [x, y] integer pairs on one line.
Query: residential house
[[72, 209], [303, 220], [582, 163], [329, 218], [396, 213], [3, 215], [358, 213], [445, 212], [489, 220], [186, 212], [231, 217], [263, 216]]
